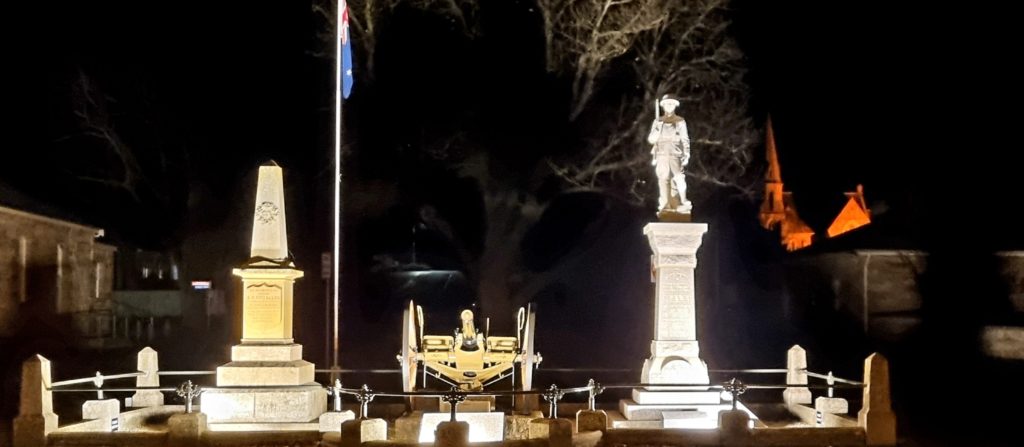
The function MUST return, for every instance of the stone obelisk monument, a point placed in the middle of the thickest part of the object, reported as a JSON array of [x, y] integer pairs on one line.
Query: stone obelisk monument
[[266, 381]]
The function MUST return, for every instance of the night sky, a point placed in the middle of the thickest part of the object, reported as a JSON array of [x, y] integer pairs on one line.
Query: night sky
[[206, 91], [853, 90]]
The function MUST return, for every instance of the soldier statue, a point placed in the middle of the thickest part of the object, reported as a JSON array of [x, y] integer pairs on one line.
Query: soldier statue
[[671, 153]]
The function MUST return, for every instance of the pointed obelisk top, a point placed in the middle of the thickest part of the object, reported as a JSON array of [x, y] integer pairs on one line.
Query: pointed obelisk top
[[269, 234]]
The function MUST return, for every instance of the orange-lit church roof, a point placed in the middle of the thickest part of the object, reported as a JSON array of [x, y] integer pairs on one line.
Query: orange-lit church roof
[[778, 210]]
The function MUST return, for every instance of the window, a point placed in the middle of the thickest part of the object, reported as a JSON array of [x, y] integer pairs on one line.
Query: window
[[22, 269], [99, 279], [60, 278]]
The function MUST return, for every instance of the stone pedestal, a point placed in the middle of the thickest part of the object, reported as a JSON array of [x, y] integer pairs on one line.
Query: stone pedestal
[[675, 352], [264, 404], [186, 429], [675, 355], [557, 431], [269, 382], [265, 365], [451, 434], [331, 420], [357, 431]]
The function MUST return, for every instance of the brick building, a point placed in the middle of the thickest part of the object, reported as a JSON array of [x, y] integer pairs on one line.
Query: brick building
[[52, 267]]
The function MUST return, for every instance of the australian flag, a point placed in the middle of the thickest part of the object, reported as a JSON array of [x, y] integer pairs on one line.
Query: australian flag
[[346, 50]]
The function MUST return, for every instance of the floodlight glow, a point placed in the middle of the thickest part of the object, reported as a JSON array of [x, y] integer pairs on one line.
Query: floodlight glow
[[483, 427], [701, 416]]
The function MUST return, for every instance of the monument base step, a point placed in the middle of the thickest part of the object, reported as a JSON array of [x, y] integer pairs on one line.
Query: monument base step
[[250, 352], [677, 416], [625, 423], [265, 405], [250, 374], [676, 396], [279, 426]]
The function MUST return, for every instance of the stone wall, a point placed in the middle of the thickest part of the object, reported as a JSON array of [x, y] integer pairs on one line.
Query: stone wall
[[50, 266], [1012, 272], [876, 289]]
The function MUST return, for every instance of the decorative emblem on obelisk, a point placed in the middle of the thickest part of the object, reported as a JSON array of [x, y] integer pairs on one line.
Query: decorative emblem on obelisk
[[266, 212]]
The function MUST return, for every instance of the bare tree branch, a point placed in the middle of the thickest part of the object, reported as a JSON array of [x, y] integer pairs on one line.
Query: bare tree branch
[[95, 122], [364, 16], [687, 51], [583, 37]]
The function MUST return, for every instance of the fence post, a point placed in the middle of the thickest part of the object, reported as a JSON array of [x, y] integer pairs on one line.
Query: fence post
[[149, 364], [186, 429], [35, 418], [354, 432], [331, 420], [557, 431], [734, 427], [829, 404], [796, 373], [592, 419], [876, 414]]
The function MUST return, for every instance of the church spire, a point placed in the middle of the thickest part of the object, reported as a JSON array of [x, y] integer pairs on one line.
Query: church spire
[[773, 209]]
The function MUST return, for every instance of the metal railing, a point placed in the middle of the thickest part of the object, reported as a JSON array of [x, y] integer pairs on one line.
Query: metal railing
[[553, 395], [99, 381]]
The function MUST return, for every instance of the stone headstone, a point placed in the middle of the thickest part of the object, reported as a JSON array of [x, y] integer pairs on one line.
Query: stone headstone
[[796, 373], [36, 418], [876, 414], [147, 363]]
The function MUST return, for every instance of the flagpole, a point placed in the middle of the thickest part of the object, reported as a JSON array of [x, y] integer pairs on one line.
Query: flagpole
[[336, 258]]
